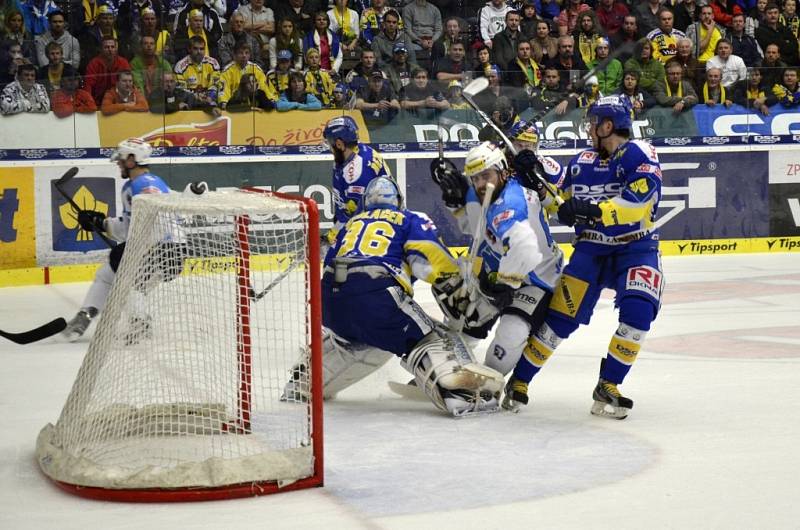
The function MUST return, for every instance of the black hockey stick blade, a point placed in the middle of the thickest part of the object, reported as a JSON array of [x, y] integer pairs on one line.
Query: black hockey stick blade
[[66, 177], [42, 332]]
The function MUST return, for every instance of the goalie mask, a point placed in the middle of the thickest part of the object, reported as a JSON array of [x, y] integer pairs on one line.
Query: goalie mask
[[382, 192]]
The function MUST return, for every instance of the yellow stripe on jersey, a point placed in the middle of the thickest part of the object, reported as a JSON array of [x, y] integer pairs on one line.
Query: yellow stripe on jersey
[[442, 263], [625, 351], [618, 211], [568, 295], [536, 352]]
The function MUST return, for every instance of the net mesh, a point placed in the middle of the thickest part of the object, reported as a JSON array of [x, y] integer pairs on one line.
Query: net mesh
[[183, 381]]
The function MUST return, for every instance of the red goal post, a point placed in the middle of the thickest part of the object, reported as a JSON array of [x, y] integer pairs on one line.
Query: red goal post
[[180, 397]]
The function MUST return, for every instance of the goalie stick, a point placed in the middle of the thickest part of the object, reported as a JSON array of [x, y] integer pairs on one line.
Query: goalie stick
[[66, 177], [42, 332], [255, 297]]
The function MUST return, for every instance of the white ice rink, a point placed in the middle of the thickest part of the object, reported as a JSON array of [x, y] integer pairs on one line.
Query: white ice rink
[[713, 440]]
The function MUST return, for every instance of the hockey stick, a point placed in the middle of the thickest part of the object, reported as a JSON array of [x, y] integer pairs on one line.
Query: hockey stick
[[255, 297], [479, 85], [42, 332], [66, 177], [407, 390]]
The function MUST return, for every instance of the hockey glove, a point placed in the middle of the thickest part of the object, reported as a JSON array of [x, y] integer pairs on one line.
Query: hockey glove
[[454, 185], [529, 170], [579, 211], [92, 221], [452, 296], [499, 294]]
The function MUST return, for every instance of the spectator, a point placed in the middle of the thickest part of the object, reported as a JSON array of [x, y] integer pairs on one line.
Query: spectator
[[568, 19], [492, 20], [568, 61], [650, 71], [713, 93], [150, 25], [482, 63], [324, 40], [376, 100], [731, 67], [524, 71], [250, 98], [454, 66], [772, 67], [724, 11], [772, 32], [24, 94], [169, 98], [420, 18], [528, 19], [674, 92], [544, 47], [130, 18], [744, 45], [101, 72], [372, 21], [548, 9], [384, 42], [52, 74], [15, 33], [344, 22], [232, 74], [455, 96], [586, 36], [441, 47], [318, 81], [286, 38], [236, 32], [301, 12], [148, 68], [297, 97], [611, 14], [692, 70], [504, 43], [398, 72], [259, 21], [91, 40], [753, 94], [421, 95], [549, 96], [199, 74], [278, 77], [686, 13], [624, 41], [196, 20], [211, 26], [12, 60], [71, 50], [665, 38], [756, 17], [35, 13], [71, 98], [704, 35], [488, 98], [789, 17], [608, 70], [342, 97], [359, 75], [124, 97], [647, 15], [787, 93], [639, 99], [503, 116]]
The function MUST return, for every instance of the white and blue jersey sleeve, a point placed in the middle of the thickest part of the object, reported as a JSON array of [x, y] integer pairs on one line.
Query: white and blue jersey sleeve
[[117, 227]]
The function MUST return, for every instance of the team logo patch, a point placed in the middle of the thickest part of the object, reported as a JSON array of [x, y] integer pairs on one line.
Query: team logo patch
[[645, 279], [502, 216], [587, 157], [150, 189]]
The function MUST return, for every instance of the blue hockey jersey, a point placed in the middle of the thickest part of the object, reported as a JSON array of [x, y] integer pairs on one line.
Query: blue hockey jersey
[[350, 179]]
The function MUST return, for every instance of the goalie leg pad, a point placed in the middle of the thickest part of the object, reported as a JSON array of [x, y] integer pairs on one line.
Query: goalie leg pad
[[344, 364], [445, 369], [509, 341]]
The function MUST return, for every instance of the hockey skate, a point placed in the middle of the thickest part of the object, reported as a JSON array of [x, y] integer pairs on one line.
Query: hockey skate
[[516, 394], [296, 390], [79, 324], [608, 402]]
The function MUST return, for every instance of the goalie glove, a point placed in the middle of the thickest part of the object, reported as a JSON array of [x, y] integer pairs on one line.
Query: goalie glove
[[579, 211], [452, 296], [92, 221], [453, 183]]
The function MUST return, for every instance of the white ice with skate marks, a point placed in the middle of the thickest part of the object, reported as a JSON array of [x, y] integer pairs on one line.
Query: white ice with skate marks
[[705, 445]]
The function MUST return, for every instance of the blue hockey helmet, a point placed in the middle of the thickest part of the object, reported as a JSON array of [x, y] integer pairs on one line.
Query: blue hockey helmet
[[614, 108], [342, 128], [382, 192]]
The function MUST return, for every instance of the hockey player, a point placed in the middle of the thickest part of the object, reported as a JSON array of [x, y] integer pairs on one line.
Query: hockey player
[[132, 156], [354, 166], [520, 262], [531, 168], [612, 196], [370, 314]]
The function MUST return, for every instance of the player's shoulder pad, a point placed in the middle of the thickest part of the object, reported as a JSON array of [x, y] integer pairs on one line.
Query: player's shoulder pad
[[420, 218], [509, 207], [635, 152], [148, 183]]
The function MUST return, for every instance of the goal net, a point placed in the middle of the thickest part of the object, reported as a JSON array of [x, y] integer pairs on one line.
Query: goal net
[[215, 307]]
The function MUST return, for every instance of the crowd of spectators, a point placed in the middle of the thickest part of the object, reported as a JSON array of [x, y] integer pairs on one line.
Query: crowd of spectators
[[390, 56]]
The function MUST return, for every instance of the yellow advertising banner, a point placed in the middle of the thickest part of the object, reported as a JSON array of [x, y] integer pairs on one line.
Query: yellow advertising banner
[[17, 218], [199, 129]]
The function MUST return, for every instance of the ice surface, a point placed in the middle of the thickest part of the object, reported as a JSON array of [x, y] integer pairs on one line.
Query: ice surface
[[711, 443]]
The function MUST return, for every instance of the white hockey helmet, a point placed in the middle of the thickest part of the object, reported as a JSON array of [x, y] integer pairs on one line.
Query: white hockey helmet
[[485, 156], [382, 192], [137, 147]]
